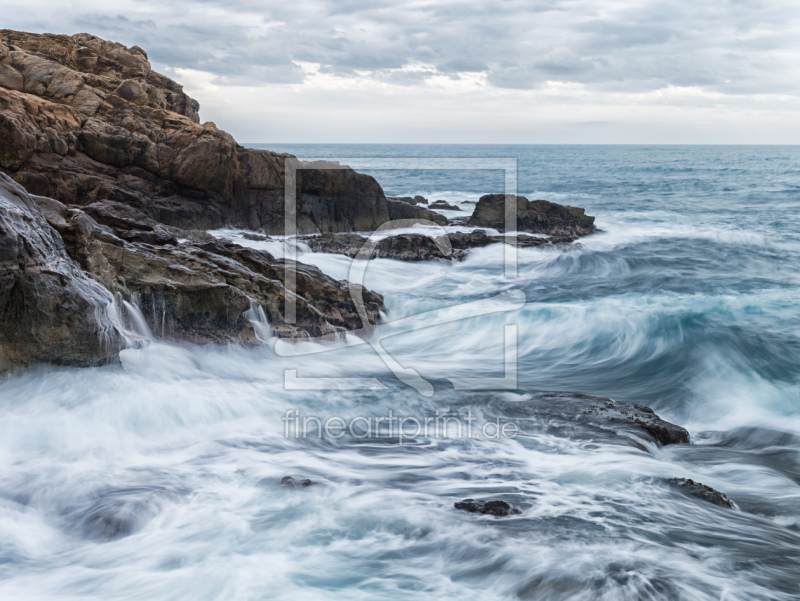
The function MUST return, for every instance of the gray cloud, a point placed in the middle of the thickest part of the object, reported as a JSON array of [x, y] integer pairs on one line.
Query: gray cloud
[[725, 46]]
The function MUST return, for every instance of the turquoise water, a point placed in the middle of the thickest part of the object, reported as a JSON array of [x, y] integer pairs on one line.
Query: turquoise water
[[159, 479]]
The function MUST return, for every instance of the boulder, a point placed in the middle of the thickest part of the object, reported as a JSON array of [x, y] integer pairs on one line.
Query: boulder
[[538, 216], [495, 508]]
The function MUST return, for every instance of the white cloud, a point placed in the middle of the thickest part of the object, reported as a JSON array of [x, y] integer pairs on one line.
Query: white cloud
[[467, 71]]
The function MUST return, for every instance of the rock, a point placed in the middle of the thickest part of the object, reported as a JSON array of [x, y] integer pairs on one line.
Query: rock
[[86, 120], [584, 416], [495, 508], [255, 237], [292, 483], [201, 291], [419, 247], [444, 205], [538, 216], [416, 200], [701, 491], [403, 210], [50, 311]]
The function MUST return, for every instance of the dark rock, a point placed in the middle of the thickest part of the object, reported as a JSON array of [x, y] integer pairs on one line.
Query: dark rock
[[701, 491], [50, 310], [419, 247], [584, 416], [416, 200], [538, 216], [402, 210], [495, 508], [291, 482], [201, 291], [444, 205]]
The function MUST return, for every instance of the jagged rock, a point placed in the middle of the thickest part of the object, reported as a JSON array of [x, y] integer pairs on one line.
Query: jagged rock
[[292, 483], [585, 416], [495, 508], [538, 216], [416, 200], [86, 120], [444, 205], [50, 311], [419, 247], [200, 291], [701, 491]]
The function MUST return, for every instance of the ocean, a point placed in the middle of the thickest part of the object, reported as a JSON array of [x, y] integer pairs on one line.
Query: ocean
[[160, 478]]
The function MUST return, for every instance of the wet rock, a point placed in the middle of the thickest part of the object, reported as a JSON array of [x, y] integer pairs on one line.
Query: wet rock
[[580, 416], [416, 200], [292, 483], [495, 508], [255, 237], [700, 491], [444, 205], [203, 291], [50, 310], [538, 216]]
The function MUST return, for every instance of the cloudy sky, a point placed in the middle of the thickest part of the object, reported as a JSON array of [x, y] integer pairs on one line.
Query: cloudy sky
[[515, 71]]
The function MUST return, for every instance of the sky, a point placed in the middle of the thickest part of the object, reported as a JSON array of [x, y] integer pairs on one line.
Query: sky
[[465, 71]]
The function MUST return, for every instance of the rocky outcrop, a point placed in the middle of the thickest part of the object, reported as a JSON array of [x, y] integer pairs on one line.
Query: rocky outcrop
[[50, 310], [419, 247], [202, 291], [701, 491], [537, 216], [66, 276], [85, 120]]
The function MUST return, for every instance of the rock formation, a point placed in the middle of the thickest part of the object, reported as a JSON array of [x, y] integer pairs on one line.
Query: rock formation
[[537, 216], [50, 310], [85, 120], [419, 247]]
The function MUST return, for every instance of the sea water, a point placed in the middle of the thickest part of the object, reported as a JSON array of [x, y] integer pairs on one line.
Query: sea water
[[160, 478]]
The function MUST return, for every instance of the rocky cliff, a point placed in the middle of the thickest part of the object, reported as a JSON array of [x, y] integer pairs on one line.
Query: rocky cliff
[[83, 119]]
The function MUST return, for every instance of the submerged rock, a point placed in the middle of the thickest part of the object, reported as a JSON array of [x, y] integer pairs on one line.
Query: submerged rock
[[700, 491], [537, 216], [495, 508], [292, 483], [580, 416]]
